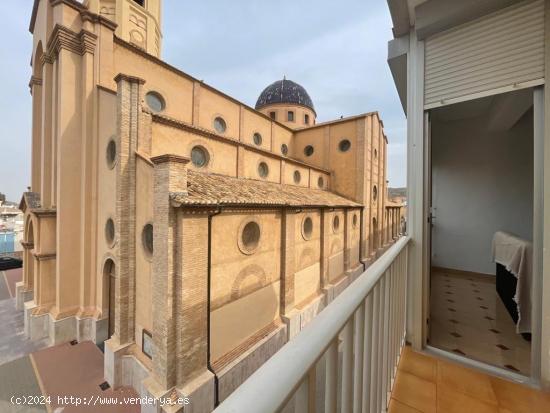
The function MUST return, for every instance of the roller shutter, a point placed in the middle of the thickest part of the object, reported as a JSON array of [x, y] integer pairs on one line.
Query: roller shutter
[[503, 49]]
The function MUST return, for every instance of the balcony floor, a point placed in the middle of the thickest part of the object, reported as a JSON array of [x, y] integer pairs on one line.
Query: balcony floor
[[469, 318], [427, 384]]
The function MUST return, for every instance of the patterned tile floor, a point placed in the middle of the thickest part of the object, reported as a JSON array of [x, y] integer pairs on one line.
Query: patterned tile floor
[[468, 318]]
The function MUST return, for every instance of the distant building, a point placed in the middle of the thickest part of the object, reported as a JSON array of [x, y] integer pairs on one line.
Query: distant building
[[11, 227]]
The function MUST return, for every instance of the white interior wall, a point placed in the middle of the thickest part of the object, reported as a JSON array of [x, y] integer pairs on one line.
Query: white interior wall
[[482, 182]]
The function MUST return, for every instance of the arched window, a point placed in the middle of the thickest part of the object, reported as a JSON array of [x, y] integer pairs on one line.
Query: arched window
[[297, 177]]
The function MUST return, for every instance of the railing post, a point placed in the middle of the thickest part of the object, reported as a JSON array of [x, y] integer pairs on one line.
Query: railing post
[[331, 376], [367, 354], [374, 348], [358, 347]]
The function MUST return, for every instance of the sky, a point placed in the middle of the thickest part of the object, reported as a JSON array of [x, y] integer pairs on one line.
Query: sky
[[337, 50]]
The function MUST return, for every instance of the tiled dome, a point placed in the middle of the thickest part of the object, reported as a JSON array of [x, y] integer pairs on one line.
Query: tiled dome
[[286, 92]]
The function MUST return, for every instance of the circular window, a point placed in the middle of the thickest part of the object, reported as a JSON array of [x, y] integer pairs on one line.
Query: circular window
[[110, 231], [308, 150], [263, 170], [354, 220], [307, 228], [336, 223], [219, 125], [199, 156], [284, 149], [250, 237], [320, 182], [374, 193], [147, 239], [297, 177], [155, 102], [257, 139], [111, 154], [344, 145]]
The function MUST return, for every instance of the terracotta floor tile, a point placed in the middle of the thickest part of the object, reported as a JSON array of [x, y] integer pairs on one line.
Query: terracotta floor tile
[[466, 381], [418, 364], [398, 407], [451, 401], [415, 392], [518, 398]]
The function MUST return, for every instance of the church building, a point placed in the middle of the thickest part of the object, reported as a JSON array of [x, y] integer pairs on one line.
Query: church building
[[186, 233]]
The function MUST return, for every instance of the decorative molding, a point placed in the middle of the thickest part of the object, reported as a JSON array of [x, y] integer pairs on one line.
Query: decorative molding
[[35, 81], [64, 38], [27, 245], [87, 15], [128, 78], [45, 257], [43, 212], [170, 158]]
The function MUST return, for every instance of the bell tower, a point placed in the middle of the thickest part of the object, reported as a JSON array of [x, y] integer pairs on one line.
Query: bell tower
[[139, 21]]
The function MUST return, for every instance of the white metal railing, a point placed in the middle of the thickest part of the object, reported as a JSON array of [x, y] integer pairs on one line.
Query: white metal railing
[[346, 358]]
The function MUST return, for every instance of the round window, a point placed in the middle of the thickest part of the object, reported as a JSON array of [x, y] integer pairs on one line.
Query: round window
[[199, 156], [250, 237], [344, 145], [219, 125], [155, 102], [354, 220], [111, 154], [374, 193], [147, 239], [308, 150], [257, 139], [336, 223], [110, 231], [307, 228], [263, 170], [284, 149], [297, 177], [320, 182]]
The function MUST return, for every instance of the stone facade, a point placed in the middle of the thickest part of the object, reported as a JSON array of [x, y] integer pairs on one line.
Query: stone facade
[[191, 233]]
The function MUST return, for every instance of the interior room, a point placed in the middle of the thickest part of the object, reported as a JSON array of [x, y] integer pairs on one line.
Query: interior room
[[482, 229]]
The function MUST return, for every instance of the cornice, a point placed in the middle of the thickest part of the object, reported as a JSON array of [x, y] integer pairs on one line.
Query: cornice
[[45, 257], [64, 38], [44, 212]]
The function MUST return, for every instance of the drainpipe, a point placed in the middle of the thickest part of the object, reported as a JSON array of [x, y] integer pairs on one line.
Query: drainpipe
[[361, 238], [209, 289]]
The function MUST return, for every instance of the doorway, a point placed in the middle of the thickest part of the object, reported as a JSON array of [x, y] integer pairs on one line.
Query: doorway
[[481, 199]]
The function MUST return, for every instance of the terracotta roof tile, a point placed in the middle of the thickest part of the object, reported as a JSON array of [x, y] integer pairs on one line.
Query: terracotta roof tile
[[212, 189]]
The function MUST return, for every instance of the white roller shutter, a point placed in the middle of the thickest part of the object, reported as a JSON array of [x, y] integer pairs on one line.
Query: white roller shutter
[[500, 50]]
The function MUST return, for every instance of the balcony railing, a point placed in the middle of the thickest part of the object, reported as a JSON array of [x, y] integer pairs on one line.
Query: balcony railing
[[346, 358]]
